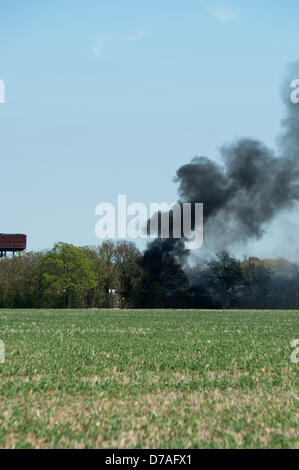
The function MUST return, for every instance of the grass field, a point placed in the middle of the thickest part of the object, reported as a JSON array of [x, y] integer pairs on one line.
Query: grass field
[[153, 379]]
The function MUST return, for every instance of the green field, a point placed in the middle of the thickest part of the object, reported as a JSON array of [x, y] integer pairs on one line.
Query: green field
[[153, 379]]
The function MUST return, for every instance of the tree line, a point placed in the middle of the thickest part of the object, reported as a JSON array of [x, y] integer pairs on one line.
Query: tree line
[[117, 274]]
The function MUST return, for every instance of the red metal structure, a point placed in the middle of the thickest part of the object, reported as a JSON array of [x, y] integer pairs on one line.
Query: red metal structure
[[12, 243]]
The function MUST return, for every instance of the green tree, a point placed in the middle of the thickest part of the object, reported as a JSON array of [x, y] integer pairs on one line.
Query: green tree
[[103, 258], [224, 274], [127, 262], [68, 273], [20, 283]]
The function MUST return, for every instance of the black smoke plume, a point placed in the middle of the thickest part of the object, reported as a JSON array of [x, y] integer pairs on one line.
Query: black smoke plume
[[244, 193]]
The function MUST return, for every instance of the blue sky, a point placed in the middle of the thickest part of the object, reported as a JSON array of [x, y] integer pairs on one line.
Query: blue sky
[[111, 97]]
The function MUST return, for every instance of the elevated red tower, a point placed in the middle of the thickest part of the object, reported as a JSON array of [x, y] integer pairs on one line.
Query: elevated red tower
[[12, 243]]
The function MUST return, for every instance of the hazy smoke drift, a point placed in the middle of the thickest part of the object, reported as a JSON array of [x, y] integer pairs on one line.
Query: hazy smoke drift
[[251, 187]]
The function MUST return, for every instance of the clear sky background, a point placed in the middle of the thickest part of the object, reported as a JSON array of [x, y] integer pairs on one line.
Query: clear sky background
[[108, 97]]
